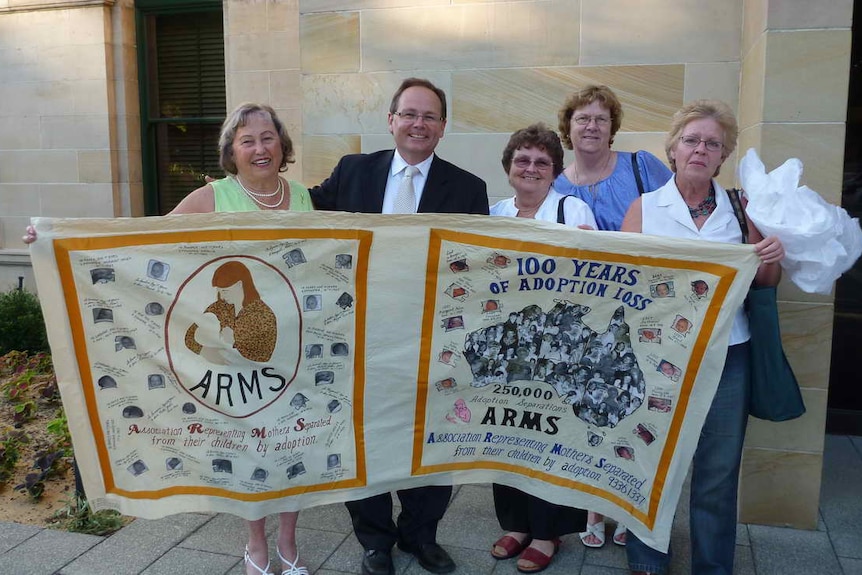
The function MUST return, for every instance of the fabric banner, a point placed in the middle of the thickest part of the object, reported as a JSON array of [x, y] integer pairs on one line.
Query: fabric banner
[[254, 363]]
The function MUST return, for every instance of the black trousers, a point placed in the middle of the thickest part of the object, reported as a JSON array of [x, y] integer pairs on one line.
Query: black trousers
[[525, 513], [421, 509]]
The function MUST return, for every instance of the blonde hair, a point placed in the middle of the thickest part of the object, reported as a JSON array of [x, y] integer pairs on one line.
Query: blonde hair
[[698, 110]]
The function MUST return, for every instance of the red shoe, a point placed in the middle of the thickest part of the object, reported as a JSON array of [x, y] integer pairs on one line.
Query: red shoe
[[512, 546], [539, 560]]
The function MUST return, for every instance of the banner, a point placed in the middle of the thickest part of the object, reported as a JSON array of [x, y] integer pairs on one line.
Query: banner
[[254, 363]]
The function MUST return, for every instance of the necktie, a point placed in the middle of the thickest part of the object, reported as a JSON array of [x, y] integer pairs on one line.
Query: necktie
[[405, 199]]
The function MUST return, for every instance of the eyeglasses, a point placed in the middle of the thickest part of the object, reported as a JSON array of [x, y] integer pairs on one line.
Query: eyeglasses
[[523, 163], [584, 120], [411, 117], [693, 142]]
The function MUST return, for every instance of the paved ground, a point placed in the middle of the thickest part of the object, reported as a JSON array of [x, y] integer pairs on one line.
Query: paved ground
[[201, 544]]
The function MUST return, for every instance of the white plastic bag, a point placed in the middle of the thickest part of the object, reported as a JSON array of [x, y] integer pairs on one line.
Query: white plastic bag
[[821, 241]]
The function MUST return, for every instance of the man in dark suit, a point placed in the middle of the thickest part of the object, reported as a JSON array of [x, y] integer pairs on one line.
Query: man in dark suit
[[370, 183]]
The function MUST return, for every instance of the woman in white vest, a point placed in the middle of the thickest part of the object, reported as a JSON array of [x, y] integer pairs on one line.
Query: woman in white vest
[[692, 205]]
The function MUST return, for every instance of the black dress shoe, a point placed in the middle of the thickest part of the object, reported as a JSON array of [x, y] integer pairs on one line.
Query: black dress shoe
[[431, 557], [377, 562]]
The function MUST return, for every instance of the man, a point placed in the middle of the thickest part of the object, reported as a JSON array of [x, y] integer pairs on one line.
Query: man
[[372, 183]]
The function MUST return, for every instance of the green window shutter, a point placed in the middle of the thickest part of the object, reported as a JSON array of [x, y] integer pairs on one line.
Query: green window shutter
[[184, 105], [190, 55]]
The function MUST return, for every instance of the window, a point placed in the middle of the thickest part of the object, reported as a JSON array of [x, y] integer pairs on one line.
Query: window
[[182, 79]]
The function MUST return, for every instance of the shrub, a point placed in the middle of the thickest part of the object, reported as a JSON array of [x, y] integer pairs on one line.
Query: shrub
[[59, 428], [77, 516], [48, 464], [21, 325], [10, 451]]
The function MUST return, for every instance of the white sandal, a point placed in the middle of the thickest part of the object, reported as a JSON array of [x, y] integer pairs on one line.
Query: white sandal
[[247, 559], [620, 530], [598, 531], [293, 569]]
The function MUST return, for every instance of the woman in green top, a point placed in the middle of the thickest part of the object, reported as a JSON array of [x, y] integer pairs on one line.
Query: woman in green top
[[254, 149]]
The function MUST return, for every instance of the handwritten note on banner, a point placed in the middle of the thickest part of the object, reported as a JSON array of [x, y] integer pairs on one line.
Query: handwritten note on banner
[[251, 363]]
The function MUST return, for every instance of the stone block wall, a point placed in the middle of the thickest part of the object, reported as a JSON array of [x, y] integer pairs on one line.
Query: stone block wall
[[505, 65], [793, 103], [69, 136]]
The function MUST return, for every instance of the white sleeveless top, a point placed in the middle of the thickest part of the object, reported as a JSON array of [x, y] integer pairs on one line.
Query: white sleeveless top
[[575, 210], [666, 214]]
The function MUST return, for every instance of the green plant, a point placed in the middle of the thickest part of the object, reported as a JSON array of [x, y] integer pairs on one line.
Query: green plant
[[41, 362], [23, 412], [21, 324], [14, 388], [10, 452], [77, 516], [49, 391], [59, 428], [19, 361], [48, 464], [27, 379], [33, 485], [13, 360]]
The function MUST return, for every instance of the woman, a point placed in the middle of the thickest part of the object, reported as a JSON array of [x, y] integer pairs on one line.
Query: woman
[[238, 320], [532, 159], [693, 206], [253, 148], [604, 179], [607, 182], [531, 163]]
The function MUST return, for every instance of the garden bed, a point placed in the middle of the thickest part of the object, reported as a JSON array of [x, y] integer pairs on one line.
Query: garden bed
[[36, 475], [37, 479]]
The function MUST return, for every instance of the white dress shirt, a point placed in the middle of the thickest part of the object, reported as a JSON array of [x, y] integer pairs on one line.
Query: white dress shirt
[[396, 173]]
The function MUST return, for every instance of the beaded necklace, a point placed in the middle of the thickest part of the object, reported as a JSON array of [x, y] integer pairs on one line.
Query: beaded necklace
[[704, 208]]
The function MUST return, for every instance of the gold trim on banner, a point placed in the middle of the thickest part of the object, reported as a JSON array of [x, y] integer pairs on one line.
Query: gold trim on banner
[[721, 289], [63, 249]]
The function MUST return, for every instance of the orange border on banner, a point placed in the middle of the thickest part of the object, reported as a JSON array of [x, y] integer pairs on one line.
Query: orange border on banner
[[63, 249], [722, 287]]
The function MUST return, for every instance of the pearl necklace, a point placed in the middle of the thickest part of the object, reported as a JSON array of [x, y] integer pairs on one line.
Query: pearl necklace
[[254, 196]]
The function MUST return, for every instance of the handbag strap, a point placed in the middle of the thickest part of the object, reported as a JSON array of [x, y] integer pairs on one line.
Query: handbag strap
[[739, 212], [561, 215], [637, 172], [561, 218]]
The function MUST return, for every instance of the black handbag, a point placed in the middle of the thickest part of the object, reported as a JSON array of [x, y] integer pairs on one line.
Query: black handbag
[[775, 394]]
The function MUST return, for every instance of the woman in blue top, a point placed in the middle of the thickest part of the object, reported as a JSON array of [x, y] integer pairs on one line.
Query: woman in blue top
[[601, 177], [606, 180]]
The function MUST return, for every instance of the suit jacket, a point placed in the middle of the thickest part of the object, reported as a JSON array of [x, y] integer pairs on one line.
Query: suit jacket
[[358, 184]]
